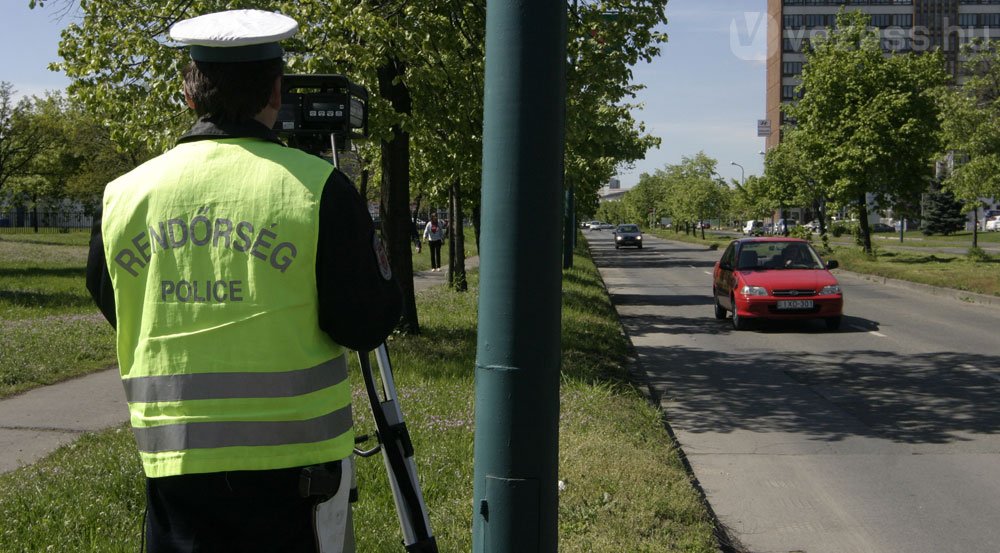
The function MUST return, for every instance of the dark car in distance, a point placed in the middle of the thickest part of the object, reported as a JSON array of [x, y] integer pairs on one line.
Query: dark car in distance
[[775, 278], [628, 235]]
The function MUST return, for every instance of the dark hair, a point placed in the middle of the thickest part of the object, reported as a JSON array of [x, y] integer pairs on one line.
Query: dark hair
[[231, 91]]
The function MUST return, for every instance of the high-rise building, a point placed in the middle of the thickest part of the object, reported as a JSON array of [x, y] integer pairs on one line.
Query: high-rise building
[[905, 26]]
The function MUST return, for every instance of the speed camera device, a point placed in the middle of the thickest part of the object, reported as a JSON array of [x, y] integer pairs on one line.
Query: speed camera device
[[322, 113]]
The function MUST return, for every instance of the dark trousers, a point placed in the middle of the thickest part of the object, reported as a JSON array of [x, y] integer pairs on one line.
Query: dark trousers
[[245, 511], [435, 253]]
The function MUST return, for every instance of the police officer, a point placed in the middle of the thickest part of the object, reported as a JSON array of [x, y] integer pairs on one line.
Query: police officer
[[237, 272]]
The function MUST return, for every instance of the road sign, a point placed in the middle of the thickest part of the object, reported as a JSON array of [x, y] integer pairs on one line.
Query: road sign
[[763, 127]]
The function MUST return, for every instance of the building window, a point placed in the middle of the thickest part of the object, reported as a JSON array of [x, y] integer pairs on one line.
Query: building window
[[788, 92], [968, 20], [881, 20], [793, 21], [791, 68]]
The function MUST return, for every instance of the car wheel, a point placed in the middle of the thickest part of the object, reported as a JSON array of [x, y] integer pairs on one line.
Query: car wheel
[[739, 323], [617, 246], [720, 312], [640, 246], [833, 323]]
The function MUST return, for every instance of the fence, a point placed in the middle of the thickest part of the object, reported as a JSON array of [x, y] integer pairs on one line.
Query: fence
[[23, 221]]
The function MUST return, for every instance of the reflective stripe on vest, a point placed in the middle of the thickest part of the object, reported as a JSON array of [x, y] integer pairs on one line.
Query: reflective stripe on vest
[[198, 435], [184, 387]]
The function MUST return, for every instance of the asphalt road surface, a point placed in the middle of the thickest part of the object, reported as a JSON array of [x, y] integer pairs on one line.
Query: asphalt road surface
[[881, 437]]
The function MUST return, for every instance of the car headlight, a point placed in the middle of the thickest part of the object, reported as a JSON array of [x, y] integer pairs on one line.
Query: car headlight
[[754, 291], [638, 237], [618, 237], [830, 290]]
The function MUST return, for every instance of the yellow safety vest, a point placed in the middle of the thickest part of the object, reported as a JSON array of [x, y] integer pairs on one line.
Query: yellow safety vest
[[211, 249]]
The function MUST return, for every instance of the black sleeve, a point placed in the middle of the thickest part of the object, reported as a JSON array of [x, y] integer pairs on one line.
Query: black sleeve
[[98, 278], [358, 306]]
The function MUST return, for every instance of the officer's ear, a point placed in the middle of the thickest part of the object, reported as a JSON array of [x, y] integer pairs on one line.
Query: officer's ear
[[187, 99]]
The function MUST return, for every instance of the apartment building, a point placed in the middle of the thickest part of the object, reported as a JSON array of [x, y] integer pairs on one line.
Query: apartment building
[[904, 25]]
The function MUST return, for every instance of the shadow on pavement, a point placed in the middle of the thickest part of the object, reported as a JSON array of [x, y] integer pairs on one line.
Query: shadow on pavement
[[931, 398]]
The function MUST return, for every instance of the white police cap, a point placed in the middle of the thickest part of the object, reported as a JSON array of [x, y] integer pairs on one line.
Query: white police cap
[[235, 35]]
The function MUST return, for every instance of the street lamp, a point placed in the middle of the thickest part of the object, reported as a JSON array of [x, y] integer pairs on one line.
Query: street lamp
[[742, 172]]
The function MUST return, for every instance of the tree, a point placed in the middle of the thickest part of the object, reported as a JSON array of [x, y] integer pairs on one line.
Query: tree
[[942, 213], [78, 158], [970, 116], [20, 141], [869, 122], [606, 39]]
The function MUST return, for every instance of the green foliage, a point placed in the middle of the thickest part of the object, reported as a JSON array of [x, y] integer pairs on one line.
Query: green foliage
[[970, 116], [979, 255], [942, 213], [687, 192], [21, 140], [839, 229], [867, 122], [76, 160], [802, 232]]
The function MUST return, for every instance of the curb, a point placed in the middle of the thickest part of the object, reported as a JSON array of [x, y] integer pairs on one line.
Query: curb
[[940, 291]]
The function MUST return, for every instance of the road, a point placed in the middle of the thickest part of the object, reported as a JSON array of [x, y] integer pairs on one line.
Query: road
[[882, 437]]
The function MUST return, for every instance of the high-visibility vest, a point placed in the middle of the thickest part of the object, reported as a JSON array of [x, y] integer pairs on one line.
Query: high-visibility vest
[[211, 249]]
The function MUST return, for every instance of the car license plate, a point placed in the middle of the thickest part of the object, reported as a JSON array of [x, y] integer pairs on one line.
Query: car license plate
[[795, 304]]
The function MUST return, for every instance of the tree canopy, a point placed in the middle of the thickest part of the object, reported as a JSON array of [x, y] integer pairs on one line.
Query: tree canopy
[[869, 122]]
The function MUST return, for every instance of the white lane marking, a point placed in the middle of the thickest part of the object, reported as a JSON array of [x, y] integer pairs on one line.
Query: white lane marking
[[872, 332], [707, 272]]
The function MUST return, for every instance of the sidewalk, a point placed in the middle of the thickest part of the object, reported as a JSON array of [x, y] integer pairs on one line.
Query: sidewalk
[[35, 423]]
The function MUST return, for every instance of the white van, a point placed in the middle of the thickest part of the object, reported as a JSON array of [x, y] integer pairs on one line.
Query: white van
[[752, 228]]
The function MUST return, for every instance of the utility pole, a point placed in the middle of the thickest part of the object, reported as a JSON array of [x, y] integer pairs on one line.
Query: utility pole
[[515, 498]]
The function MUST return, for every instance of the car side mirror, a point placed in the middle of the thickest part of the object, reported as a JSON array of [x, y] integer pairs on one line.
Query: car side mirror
[[832, 264], [725, 266]]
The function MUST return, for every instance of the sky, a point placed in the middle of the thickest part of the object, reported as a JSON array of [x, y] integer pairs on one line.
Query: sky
[[705, 92]]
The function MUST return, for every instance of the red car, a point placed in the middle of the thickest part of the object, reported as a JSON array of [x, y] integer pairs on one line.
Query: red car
[[775, 278]]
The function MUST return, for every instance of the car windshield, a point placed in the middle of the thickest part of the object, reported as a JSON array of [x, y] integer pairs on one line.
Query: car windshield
[[628, 228], [778, 255]]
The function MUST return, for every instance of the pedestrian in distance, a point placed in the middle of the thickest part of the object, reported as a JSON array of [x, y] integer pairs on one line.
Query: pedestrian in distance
[[237, 272], [434, 234]]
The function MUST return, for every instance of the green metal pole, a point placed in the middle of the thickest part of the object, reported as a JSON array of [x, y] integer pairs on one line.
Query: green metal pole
[[515, 498]]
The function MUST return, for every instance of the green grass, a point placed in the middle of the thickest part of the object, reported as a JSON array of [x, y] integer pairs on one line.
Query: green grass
[[49, 327], [916, 239], [626, 488], [936, 269]]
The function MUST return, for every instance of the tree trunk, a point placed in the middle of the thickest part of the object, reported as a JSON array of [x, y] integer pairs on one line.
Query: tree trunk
[[395, 198], [865, 230], [975, 227], [476, 221], [456, 240]]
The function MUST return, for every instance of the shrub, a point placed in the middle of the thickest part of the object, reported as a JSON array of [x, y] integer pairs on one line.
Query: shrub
[[801, 232], [978, 255]]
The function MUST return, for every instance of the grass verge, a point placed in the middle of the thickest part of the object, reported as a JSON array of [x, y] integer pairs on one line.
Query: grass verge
[[625, 486], [49, 327], [935, 269]]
